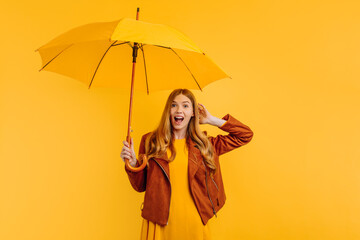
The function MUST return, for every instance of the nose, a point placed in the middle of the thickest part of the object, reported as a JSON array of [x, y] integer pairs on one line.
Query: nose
[[178, 109]]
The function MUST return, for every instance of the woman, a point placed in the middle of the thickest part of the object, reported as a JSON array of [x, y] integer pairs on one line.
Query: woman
[[183, 182]]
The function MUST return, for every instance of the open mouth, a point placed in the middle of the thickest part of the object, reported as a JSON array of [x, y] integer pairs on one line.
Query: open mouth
[[178, 120]]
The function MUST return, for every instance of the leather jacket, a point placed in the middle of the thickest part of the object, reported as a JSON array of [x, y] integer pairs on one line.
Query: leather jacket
[[207, 191]]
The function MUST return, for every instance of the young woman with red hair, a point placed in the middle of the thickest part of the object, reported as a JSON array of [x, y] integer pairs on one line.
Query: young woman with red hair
[[182, 181]]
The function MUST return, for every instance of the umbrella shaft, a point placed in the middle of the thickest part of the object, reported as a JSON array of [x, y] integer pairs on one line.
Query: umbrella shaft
[[131, 102]]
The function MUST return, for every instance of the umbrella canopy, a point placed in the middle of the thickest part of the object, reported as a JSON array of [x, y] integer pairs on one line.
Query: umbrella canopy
[[99, 54]]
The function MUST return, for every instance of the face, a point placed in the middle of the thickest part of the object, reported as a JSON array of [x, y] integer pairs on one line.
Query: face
[[181, 111]]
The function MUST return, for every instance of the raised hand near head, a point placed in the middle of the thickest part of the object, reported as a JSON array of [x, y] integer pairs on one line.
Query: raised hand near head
[[204, 115]]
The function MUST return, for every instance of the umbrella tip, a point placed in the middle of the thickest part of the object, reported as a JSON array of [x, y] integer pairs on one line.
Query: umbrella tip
[[137, 13]]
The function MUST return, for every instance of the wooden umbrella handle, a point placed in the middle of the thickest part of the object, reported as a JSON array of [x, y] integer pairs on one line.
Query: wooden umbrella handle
[[136, 169]]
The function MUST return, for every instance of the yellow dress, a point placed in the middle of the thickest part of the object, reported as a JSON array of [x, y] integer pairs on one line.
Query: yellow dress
[[184, 219]]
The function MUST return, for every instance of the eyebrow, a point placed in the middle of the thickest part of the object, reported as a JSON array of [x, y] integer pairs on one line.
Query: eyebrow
[[183, 101]]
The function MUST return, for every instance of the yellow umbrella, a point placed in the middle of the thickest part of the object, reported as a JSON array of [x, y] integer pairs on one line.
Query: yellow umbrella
[[99, 54]]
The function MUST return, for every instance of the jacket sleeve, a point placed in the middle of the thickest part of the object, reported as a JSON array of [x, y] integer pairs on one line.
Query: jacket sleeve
[[138, 179], [239, 135]]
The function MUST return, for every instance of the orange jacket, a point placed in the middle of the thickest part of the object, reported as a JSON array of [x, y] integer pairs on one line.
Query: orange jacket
[[207, 192]]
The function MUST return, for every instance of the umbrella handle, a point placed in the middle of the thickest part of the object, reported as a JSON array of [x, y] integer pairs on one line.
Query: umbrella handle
[[135, 169]]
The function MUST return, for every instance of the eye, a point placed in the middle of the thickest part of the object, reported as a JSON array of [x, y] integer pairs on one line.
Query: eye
[[173, 105], [186, 106]]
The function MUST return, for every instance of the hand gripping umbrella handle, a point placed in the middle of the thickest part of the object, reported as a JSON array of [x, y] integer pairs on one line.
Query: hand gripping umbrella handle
[[131, 168]]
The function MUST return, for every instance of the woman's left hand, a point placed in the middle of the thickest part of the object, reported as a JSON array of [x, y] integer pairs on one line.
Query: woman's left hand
[[204, 115]]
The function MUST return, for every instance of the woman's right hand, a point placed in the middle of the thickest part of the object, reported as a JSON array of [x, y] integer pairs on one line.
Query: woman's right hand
[[128, 153]]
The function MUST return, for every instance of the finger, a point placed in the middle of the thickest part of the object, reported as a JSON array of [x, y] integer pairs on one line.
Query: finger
[[129, 153], [126, 143], [127, 156], [122, 155], [202, 109], [125, 152]]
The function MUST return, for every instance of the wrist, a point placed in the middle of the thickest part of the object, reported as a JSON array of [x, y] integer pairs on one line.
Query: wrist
[[216, 121]]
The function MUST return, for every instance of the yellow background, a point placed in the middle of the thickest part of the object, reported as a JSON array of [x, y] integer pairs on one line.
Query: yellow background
[[295, 81]]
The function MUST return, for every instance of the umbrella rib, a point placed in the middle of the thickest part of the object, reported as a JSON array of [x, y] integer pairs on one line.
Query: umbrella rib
[[147, 85], [120, 44], [162, 46], [187, 68], [55, 57], [100, 62]]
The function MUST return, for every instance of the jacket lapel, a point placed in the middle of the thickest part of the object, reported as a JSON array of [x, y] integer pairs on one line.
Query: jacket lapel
[[163, 160], [194, 159]]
